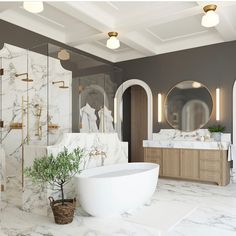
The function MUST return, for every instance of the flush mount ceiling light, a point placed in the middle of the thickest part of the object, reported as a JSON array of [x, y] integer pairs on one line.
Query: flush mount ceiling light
[[33, 7], [113, 42], [63, 55], [210, 19]]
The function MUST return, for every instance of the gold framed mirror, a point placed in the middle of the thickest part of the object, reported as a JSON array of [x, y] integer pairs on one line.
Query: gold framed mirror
[[188, 106]]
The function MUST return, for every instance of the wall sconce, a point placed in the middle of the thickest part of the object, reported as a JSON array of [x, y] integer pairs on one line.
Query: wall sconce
[[217, 104], [115, 110], [159, 117]]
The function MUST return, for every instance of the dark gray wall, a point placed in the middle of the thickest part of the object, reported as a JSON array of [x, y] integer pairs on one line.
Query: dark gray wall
[[213, 65]]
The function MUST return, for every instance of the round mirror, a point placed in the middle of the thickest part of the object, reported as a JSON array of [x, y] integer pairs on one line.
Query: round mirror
[[188, 106]]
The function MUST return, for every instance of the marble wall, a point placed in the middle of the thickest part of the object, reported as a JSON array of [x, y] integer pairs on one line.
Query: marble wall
[[32, 104], [99, 148], [2, 172]]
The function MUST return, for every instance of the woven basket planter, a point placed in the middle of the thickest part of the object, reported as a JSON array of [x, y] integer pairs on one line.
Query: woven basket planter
[[63, 214]]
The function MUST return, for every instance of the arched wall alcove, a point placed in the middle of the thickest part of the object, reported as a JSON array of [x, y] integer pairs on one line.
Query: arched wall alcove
[[99, 89], [118, 114]]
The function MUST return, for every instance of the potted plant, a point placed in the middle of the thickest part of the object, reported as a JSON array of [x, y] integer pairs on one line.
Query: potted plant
[[216, 131], [57, 172]]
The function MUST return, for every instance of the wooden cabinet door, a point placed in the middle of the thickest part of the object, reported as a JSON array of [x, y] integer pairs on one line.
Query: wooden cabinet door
[[210, 165], [189, 163], [171, 162], [154, 155]]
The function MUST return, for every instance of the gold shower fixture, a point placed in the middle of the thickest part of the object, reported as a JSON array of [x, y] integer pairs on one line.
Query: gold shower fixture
[[27, 79], [60, 82]]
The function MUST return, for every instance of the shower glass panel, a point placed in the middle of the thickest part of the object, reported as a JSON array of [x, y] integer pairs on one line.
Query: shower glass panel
[[2, 157], [13, 117], [97, 84]]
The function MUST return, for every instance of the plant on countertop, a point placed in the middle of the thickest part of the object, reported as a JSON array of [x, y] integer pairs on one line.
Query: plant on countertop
[[216, 128], [57, 171]]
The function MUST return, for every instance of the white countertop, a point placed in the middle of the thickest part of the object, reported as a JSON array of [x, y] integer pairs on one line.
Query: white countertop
[[187, 144]]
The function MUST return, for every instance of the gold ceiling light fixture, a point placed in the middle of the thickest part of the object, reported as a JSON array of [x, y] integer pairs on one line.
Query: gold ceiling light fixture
[[63, 54], [113, 42], [33, 6], [211, 18]]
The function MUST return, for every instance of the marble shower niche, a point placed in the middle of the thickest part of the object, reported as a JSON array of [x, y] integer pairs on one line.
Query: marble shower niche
[[34, 110]]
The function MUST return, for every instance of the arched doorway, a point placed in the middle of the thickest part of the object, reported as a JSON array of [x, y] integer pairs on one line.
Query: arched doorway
[[141, 97]]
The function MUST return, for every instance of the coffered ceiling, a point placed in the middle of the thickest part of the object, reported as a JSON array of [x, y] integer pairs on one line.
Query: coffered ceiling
[[145, 28]]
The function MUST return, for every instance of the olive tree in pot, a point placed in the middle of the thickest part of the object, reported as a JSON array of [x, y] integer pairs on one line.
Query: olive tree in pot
[[58, 171]]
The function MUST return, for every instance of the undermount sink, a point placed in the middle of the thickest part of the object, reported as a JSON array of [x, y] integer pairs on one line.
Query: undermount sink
[[186, 144]]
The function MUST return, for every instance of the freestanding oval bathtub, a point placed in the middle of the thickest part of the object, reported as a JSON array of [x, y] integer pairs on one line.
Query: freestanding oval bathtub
[[112, 190]]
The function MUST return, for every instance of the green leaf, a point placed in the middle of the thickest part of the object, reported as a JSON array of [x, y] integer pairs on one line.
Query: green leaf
[[58, 170]]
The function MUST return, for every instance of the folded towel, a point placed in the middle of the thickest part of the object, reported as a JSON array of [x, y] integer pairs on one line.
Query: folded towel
[[232, 155]]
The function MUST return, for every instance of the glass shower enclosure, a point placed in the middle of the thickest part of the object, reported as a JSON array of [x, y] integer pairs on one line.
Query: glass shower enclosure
[[47, 91]]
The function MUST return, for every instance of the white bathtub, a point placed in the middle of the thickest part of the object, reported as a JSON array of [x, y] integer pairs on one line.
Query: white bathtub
[[112, 190]]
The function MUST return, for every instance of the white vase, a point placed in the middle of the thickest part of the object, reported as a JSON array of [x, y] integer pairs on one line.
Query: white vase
[[216, 136]]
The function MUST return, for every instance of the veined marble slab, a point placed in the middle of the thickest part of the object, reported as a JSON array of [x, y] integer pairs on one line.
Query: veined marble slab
[[2, 172], [35, 198], [43, 101], [187, 144], [200, 139]]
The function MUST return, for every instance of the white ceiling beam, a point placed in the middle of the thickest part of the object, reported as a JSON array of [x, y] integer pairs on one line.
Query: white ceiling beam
[[30, 22], [225, 28], [86, 12], [91, 15], [9, 5], [97, 51], [154, 19], [82, 40], [183, 43], [139, 43]]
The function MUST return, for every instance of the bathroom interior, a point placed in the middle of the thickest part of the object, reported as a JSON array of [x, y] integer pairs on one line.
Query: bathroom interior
[[156, 128]]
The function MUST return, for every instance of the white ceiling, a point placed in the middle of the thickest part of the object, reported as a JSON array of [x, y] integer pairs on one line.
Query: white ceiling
[[145, 28]]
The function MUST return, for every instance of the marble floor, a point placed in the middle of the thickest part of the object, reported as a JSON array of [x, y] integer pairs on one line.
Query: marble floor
[[215, 214]]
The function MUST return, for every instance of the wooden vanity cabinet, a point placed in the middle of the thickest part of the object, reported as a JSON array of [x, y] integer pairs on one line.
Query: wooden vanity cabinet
[[189, 163], [192, 164], [171, 162], [154, 155]]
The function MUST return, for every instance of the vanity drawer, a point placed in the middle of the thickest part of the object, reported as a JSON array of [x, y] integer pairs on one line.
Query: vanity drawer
[[209, 165], [153, 153], [211, 155], [212, 176]]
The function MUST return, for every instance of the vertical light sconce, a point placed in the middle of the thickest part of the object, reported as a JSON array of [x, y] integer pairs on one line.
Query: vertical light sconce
[[115, 110], [159, 108], [217, 104]]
